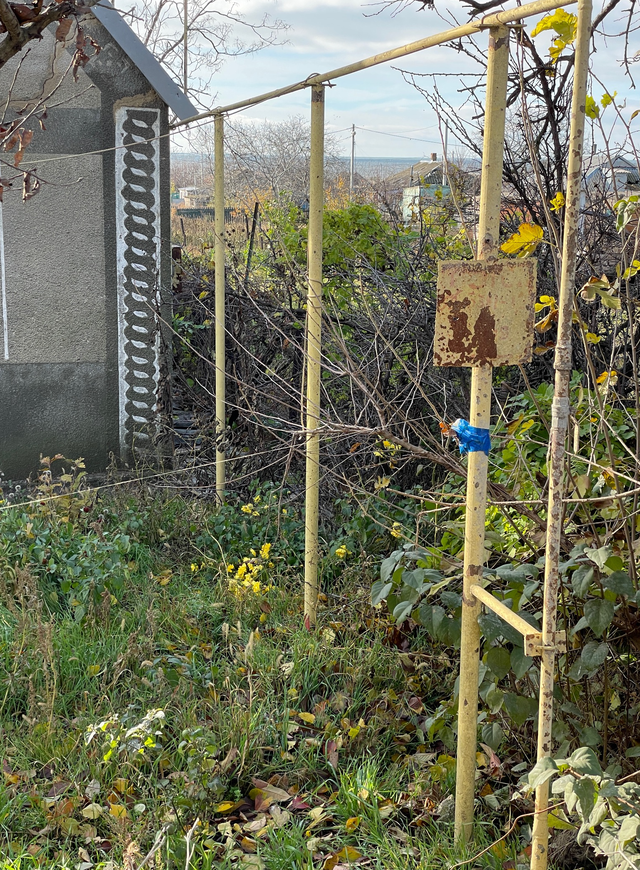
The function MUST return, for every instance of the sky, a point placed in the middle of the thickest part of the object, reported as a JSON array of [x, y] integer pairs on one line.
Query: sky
[[392, 118]]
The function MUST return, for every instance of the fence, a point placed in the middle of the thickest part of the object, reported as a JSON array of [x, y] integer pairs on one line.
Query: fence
[[545, 643]]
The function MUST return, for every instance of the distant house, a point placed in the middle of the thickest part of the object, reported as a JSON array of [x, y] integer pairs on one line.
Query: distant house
[[194, 197], [86, 263], [407, 192], [611, 176]]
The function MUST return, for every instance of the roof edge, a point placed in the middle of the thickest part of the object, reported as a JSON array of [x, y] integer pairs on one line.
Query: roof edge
[[149, 66]]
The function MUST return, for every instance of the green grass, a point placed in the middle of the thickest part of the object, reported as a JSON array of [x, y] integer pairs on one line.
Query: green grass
[[246, 694]]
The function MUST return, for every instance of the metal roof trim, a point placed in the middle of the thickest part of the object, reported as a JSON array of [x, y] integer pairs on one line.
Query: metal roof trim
[[149, 66]]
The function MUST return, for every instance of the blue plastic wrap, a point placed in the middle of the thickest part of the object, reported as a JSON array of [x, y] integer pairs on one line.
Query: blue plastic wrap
[[470, 438]]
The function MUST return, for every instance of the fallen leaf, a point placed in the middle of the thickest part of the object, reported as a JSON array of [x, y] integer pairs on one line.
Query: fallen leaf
[[347, 853], [118, 811], [309, 718], [92, 811], [352, 823]]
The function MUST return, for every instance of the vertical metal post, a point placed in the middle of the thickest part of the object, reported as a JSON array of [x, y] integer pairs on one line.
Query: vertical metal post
[[559, 426], [219, 252], [352, 162], [314, 338], [479, 415], [3, 291]]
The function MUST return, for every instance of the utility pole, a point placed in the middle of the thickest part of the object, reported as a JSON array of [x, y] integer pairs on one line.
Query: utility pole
[[445, 162], [352, 164]]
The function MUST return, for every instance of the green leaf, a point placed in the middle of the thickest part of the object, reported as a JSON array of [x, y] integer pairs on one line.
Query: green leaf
[[599, 614], [581, 580], [633, 752], [379, 591], [584, 760], [628, 830], [619, 582], [430, 616], [498, 661], [520, 707], [598, 556], [586, 792], [593, 655], [494, 699], [544, 770], [492, 735], [520, 663]]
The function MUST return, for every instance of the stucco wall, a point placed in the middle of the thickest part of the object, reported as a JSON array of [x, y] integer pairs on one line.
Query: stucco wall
[[59, 386]]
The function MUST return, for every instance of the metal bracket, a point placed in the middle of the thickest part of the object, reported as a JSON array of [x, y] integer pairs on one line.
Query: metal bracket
[[533, 644]]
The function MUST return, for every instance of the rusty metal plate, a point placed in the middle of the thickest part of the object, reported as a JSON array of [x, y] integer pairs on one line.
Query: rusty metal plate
[[485, 312]]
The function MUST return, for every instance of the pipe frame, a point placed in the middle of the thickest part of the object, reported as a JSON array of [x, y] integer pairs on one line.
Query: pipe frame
[[314, 355], [220, 326], [479, 415], [539, 7]]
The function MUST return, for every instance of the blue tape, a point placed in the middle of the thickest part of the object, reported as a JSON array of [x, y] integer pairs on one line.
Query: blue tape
[[470, 438]]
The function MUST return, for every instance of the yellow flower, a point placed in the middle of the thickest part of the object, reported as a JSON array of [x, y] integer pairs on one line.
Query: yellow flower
[[194, 567], [256, 587], [341, 551], [255, 513], [231, 569], [396, 530], [284, 511], [265, 549], [263, 617], [242, 570], [246, 509], [256, 499], [253, 553]]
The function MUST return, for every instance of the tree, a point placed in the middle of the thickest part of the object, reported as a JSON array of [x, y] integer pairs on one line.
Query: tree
[[215, 30], [22, 23]]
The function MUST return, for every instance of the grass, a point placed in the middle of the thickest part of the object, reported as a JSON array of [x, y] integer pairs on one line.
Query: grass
[[164, 708]]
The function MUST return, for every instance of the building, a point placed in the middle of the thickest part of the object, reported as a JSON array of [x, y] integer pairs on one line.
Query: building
[[85, 249]]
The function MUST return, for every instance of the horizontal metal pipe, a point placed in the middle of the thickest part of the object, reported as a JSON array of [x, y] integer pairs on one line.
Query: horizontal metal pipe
[[505, 17], [503, 611]]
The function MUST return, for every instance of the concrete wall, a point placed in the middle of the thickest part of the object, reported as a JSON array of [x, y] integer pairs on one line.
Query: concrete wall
[[61, 376]]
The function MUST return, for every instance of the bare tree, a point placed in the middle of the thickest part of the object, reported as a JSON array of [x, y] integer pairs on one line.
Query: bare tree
[[22, 23], [215, 30]]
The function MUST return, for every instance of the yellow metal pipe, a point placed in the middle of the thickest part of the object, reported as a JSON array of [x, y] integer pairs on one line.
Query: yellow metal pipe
[[559, 426], [513, 619], [539, 7], [314, 350], [479, 415], [219, 251]]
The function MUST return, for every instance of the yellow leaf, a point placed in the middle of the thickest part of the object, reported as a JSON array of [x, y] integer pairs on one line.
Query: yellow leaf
[[557, 202], [592, 338], [591, 108], [92, 670], [118, 811], [225, 807], [353, 732], [164, 577], [525, 241], [347, 853], [352, 823], [93, 811], [611, 376], [309, 718], [121, 785]]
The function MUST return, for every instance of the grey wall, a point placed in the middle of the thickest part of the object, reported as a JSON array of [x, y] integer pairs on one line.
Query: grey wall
[[59, 388]]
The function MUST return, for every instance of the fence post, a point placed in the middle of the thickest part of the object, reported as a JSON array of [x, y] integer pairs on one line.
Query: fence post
[[559, 425], [219, 252], [479, 415], [313, 343]]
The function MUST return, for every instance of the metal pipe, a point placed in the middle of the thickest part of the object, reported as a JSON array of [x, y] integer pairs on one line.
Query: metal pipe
[[479, 415], [503, 611], [488, 21], [352, 162], [185, 39], [559, 425], [314, 350], [219, 253]]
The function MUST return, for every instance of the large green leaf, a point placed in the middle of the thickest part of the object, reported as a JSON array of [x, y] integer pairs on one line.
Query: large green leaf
[[498, 661], [520, 707], [586, 792], [544, 770], [520, 663], [619, 582], [599, 613], [584, 760], [379, 591]]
